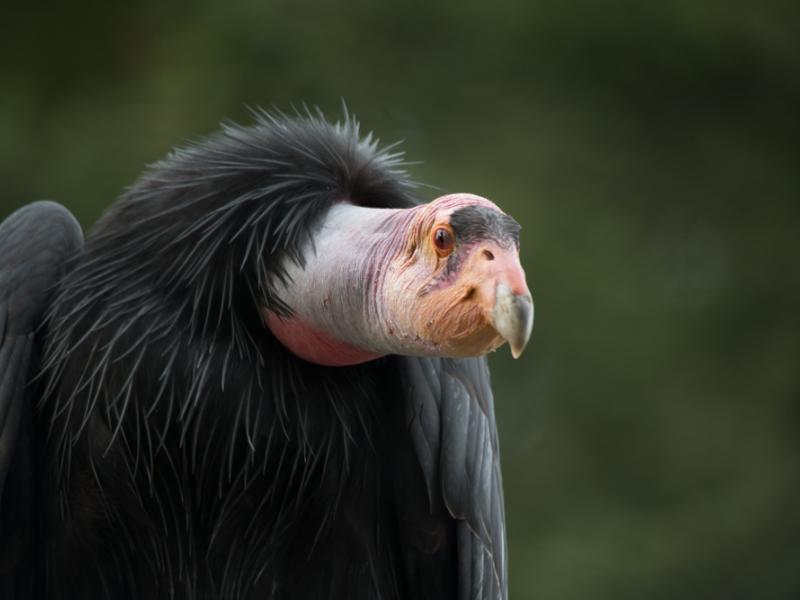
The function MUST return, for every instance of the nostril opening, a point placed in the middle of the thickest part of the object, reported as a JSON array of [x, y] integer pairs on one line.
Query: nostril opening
[[488, 255]]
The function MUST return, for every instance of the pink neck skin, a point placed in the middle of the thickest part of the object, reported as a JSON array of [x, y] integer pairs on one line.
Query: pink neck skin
[[313, 345], [349, 302], [337, 296]]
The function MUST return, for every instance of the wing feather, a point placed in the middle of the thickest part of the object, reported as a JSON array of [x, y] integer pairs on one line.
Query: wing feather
[[450, 412], [35, 243]]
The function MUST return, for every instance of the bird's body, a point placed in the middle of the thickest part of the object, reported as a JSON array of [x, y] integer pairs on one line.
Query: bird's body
[[168, 445]]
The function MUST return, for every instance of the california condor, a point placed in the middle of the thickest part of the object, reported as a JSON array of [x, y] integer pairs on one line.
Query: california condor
[[261, 375]]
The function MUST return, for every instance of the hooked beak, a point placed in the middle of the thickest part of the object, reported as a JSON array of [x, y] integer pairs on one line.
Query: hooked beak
[[507, 300], [512, 317]]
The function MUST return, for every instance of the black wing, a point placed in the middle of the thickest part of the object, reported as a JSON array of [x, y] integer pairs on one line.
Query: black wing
[[450, 412], [35, 243]]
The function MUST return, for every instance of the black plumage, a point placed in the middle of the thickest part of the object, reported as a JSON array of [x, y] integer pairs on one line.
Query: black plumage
[[167, 446]]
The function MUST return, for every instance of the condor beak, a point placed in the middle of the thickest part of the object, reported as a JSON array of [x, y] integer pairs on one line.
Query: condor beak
[[512, 317], [506, 298]]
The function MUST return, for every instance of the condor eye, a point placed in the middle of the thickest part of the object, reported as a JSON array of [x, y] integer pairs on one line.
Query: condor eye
[[443, 240]]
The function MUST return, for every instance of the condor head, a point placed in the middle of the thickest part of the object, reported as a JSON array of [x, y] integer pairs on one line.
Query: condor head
[[441, 279]]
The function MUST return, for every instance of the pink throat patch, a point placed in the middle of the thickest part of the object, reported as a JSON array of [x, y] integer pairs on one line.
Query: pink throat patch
[[312, 345]]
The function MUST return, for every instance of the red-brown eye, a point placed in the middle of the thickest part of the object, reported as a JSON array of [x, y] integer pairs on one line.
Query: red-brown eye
[[443, 240]]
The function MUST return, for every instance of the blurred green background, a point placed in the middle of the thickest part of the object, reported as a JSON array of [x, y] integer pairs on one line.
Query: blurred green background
[[651, 151]]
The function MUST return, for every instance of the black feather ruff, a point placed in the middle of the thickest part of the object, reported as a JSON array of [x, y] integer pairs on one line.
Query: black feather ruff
[[191, 456]]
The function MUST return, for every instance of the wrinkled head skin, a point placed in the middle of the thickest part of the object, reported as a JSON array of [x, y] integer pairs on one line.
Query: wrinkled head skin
[[458, 284], [440, 279]]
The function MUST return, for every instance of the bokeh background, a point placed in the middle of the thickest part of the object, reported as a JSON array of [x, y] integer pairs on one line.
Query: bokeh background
[[651, 151]]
